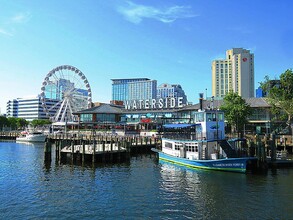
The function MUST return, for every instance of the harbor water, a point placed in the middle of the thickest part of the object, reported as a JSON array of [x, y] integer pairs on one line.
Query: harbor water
[[143, 188]]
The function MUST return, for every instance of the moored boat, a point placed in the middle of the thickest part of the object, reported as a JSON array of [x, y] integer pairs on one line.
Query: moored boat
[[202, 144], [31, 137]]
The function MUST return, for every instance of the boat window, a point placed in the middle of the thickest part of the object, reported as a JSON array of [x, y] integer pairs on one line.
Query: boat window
[[199, 117], [220, 117], [209, 117], [214, 117], [177, 147], [168, 145], [196, 149]]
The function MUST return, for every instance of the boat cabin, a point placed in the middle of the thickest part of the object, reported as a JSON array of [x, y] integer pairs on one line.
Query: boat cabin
[[198, 140], [207, 125]]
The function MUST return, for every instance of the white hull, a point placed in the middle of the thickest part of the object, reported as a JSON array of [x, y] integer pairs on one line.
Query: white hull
[[32, 138]]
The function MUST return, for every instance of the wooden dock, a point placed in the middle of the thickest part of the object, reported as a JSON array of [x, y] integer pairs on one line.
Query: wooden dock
[[8, 135], [100, 148]]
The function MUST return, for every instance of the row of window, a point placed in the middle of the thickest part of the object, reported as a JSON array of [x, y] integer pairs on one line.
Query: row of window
[[188, 147]]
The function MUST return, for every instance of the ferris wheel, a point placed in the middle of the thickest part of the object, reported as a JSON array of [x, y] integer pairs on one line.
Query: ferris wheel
[[65, 90]]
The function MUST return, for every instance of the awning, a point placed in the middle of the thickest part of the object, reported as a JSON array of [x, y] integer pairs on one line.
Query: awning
[[179, 125], [237, 139]]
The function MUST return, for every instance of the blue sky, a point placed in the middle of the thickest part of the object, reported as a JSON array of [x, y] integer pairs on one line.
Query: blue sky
[[171, 41]]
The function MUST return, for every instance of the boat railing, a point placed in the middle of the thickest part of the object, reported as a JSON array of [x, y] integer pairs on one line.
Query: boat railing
[[184, 136], [216, 135]]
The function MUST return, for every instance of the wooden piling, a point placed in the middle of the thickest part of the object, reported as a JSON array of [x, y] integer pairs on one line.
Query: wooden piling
[[94, 151], [83, 152], [57, 150], [261, 162], [47, 151], [72, 151], [104, 153], [273, 150]]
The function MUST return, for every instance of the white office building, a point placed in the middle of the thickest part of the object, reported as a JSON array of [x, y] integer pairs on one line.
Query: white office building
[[28, 108]]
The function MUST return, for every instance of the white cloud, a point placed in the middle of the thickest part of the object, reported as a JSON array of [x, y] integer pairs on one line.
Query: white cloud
[[21, 18], [4, 32], [136, 13], [8, 28]]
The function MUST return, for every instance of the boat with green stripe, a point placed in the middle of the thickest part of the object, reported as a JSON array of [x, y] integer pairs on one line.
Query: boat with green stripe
[[202, 144]]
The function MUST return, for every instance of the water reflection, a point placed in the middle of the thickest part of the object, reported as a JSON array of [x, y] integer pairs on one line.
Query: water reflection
[[227, 195]]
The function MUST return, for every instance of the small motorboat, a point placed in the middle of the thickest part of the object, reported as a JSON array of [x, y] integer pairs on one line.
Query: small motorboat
[[31, 137]]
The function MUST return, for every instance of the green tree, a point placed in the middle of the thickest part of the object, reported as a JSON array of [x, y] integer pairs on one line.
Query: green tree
[[280, 94], [12, 123], [3, 122], [40, 122], [21, 123], [17, 123], [236, 112]]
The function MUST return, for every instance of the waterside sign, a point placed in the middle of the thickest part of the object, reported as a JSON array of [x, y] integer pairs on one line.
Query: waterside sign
[[154, 103]]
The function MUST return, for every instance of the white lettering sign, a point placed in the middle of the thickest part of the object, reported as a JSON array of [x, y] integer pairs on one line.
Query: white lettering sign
[[154, 103]]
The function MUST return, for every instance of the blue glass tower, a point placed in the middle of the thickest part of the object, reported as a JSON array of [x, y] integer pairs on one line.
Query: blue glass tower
[[133, 89]]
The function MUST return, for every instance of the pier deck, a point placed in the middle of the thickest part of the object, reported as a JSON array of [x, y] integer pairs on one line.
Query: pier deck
[[89, 148]]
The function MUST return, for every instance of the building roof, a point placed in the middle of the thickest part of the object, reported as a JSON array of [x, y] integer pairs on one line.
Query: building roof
[[257, 102], [207, 104], [134, 79], [103, 109]]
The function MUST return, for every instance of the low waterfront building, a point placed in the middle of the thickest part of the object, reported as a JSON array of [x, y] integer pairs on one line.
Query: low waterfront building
[[109, 116], [115, 116], [260, 120], [101, 115]]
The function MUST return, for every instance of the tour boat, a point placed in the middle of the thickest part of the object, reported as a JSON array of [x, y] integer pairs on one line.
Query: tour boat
[[31, 137], [202, 144]]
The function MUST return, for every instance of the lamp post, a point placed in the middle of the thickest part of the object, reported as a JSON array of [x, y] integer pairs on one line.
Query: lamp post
[[78, 125], [65, 129]]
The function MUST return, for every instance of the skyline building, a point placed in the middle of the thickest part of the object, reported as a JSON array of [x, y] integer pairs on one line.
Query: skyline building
[[28, 108], [166, 90], [235, 73], [133, 89], [272, 83]]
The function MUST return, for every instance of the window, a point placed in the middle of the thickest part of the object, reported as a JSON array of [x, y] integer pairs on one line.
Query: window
[[168, 145], [177, 146]]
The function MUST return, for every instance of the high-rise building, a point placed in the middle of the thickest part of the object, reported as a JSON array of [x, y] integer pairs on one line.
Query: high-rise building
[[171, 91], [133, 89], [235, 73]]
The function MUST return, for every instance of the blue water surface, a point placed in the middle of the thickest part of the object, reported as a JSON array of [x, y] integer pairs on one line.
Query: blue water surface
[[143, 188]]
